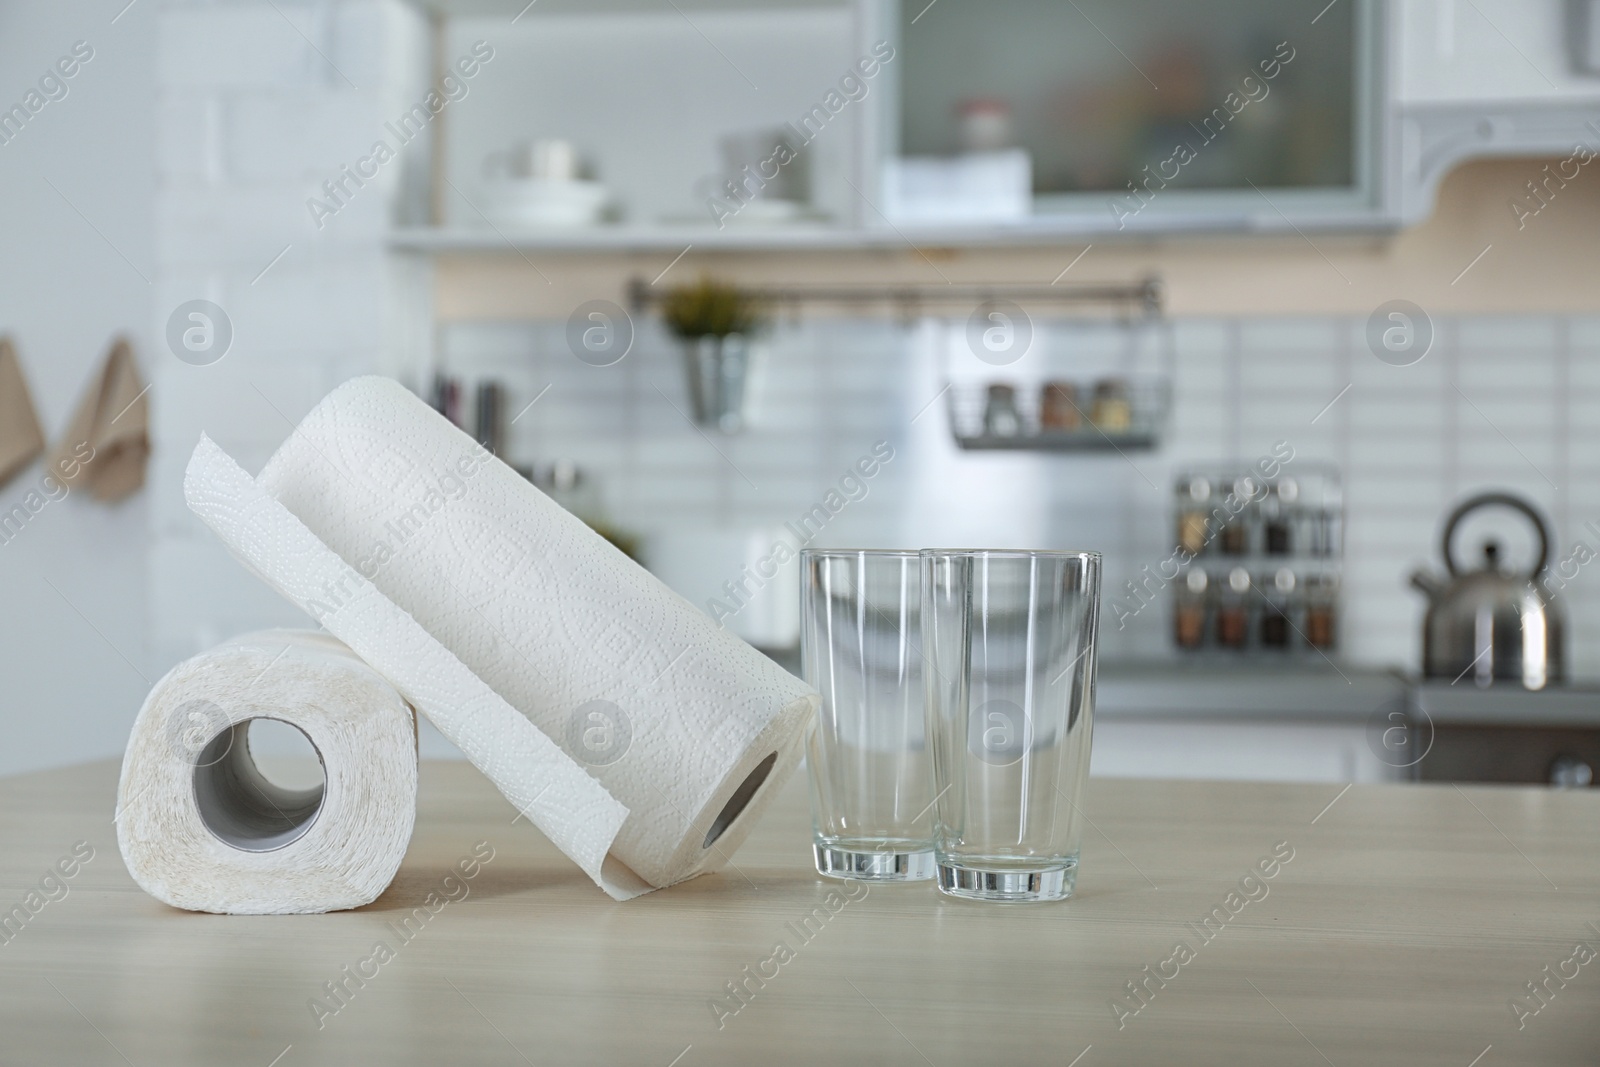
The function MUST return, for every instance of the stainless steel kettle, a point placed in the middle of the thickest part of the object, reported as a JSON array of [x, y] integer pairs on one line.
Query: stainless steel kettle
[[1495, 624]]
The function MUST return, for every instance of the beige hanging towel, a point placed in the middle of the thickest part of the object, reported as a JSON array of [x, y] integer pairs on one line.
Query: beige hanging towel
[[21, 438], [108, 442]]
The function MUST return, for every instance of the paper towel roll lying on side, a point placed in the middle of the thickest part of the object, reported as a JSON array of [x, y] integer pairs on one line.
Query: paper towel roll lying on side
[[201, 828], [688, 727]]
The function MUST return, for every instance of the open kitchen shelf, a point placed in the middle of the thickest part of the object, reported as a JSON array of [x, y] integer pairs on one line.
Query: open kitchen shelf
[[504, 238], [822, 236]]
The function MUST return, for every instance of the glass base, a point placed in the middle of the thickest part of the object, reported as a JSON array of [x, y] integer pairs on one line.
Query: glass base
[[1008, 886], [884, 866]]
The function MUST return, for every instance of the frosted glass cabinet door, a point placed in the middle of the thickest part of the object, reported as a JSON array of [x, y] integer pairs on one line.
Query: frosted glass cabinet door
[[1139, 111]]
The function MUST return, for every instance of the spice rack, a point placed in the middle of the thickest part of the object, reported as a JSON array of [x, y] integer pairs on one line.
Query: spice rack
[[1260, 560], [1096, 379], [1050, 419]]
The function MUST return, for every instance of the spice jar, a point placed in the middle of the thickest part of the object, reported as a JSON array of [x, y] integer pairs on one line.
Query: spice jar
[[1323, 524], [1193, 511], [1112, 410], [1277, 517], [1321, 612], [1000, 415], [1058, 407], [1332, 526], [1189, 615], [1275, 614], [1233, 614], [1235, 536]]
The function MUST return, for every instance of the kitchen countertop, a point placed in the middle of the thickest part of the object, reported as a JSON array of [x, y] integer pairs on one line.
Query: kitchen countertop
[[1401, 929], [1574, 706], [1311, 689], [1250, 689]]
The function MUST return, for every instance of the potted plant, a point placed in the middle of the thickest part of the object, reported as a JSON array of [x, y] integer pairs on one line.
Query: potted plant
[[715, 321]]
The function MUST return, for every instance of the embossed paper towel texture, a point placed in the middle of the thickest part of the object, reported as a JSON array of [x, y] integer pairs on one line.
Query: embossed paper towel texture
[[548, 614], [572, 809], [363, 731]]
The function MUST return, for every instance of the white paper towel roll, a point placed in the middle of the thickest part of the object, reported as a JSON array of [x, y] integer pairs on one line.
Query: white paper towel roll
[[687, 727], [574, 810], [201, 828]]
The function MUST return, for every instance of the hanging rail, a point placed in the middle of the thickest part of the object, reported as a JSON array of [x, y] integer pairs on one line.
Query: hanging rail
[[1144, 295]]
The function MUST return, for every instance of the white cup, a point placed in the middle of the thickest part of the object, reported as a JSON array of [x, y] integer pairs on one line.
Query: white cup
[[552, 160]]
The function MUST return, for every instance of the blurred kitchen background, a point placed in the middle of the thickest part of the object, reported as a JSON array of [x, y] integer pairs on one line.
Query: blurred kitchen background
[[1070, 274]]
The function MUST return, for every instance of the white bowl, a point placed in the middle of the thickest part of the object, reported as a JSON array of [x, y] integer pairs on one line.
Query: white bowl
[[764, 212], [542, 202]]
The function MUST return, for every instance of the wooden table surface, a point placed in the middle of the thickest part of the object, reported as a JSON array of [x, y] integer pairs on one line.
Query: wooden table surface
[[1401, 931]]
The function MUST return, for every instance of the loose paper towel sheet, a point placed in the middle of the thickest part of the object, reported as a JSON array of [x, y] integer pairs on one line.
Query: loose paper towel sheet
[[401, 523], [571, 808], [189, 784]]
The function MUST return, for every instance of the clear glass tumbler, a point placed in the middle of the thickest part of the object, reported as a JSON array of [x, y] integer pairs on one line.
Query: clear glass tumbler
[[1009, 638], [871, 776]]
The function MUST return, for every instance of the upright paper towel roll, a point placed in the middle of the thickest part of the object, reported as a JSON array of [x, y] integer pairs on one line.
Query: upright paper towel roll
[[201, 828], [543, 782], [688, 727]]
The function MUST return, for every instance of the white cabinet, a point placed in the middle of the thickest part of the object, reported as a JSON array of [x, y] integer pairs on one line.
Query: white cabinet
[[1194, 720], [1484, 78], [1487, 51], [1124, 133], [1246, 750], [1262, 118]]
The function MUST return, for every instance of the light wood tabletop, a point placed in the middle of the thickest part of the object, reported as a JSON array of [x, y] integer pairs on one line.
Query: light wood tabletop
[[1400, 924]]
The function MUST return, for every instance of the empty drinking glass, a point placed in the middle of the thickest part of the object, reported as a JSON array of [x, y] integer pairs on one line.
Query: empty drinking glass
[[1009, 638], [871, 779]]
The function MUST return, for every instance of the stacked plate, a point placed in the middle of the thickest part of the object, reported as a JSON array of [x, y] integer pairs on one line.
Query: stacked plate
[[544, 201]]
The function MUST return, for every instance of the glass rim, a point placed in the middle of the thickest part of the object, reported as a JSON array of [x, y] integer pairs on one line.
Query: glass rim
[[1084, 555], [825, 553]]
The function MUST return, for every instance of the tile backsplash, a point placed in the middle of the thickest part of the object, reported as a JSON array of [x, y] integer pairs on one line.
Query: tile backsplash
[[1502, 402]]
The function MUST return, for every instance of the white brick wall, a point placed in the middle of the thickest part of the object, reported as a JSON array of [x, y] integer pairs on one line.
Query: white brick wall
[[258, 106], [1408, 443]]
